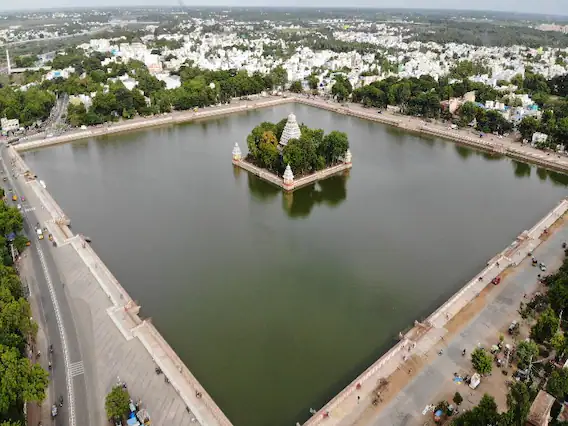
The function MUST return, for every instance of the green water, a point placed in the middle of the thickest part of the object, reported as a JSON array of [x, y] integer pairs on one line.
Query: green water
[[276, 302]]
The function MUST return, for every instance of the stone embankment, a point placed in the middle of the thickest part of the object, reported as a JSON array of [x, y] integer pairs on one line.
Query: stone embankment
[[124, 312], [296, 183], [538, 157], [142, 123], [429, 332]]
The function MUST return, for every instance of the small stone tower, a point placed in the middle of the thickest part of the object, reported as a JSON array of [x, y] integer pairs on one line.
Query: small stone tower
[[288, 179], [237, 156]]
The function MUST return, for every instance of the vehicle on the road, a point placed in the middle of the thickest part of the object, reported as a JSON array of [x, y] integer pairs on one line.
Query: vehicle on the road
[[19, 207], [513, 327], [534, 261], [23, 198], [5, 178], [496, 280], [14, 197], [542, 267], [53, 410], [50, 237], [39, 234]]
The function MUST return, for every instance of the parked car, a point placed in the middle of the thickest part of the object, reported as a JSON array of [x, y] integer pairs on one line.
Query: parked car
[[496, 280]]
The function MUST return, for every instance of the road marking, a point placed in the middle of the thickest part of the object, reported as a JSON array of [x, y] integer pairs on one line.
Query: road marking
[[29, 209], [76, 369], [55, 302]]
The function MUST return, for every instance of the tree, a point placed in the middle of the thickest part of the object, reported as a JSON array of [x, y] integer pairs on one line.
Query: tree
[[545, 327], [458, 399], [117, 403], [485, 413], [334, 146], [526, 351], [558, 342], [313, 82], [19, 380], [528, 126], [518, 404], [296, 87], [482, 361], [557, 384], [268, 151]]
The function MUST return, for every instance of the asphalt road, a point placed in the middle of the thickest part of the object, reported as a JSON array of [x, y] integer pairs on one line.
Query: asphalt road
[[59, 325], [501, 308]]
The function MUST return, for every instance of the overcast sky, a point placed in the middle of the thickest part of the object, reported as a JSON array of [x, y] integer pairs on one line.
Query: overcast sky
[[557, 7]]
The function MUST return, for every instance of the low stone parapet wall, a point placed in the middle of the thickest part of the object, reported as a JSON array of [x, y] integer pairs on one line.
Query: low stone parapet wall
[[297, 183]]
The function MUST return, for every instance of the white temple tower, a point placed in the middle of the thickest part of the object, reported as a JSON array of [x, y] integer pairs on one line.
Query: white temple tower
[[237, 156], [288, 178], [347, 158], [291, 130]]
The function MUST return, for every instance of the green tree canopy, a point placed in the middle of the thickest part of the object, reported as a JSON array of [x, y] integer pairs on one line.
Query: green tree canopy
[[526, 351], [117, 403], [545, 327], [482, 361]]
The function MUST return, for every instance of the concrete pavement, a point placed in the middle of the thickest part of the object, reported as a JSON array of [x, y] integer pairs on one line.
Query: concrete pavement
[[500, 309]]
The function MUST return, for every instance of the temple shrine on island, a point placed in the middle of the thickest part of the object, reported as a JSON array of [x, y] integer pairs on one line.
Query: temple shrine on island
[[287, 182]]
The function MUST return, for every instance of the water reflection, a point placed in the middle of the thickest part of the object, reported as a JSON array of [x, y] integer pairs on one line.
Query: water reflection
[[463, 151], [521, 169], [557, 178], [331, 191], [300, 203]]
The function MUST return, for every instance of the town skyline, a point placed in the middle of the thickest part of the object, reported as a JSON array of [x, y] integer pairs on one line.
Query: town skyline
[[545, 7]]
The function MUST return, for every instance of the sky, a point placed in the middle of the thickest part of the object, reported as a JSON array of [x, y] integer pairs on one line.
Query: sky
[[553, 7]]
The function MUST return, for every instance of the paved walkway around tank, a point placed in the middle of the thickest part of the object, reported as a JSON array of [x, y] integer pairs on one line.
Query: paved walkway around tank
[[108, 355], [500, 309]]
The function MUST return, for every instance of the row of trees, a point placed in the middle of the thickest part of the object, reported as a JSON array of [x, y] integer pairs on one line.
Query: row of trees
[[29, 106], [311, 152], [20, 380], [199, 88]]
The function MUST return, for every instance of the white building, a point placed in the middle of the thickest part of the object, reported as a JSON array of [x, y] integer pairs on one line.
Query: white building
[[10, 125], [538, 137]]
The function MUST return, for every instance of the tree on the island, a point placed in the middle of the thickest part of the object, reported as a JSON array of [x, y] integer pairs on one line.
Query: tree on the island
[[485, 413], [482, 361], [296, 87], [268, 151], [557, 384], [293, 154], [528, 126], [526, 351], [255, 137], [334, 146], [518, 404], [546, 326], [117, 403], [458, 399]]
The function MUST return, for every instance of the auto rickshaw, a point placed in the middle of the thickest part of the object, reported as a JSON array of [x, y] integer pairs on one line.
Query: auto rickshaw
[[50, 237], [14, 197]]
